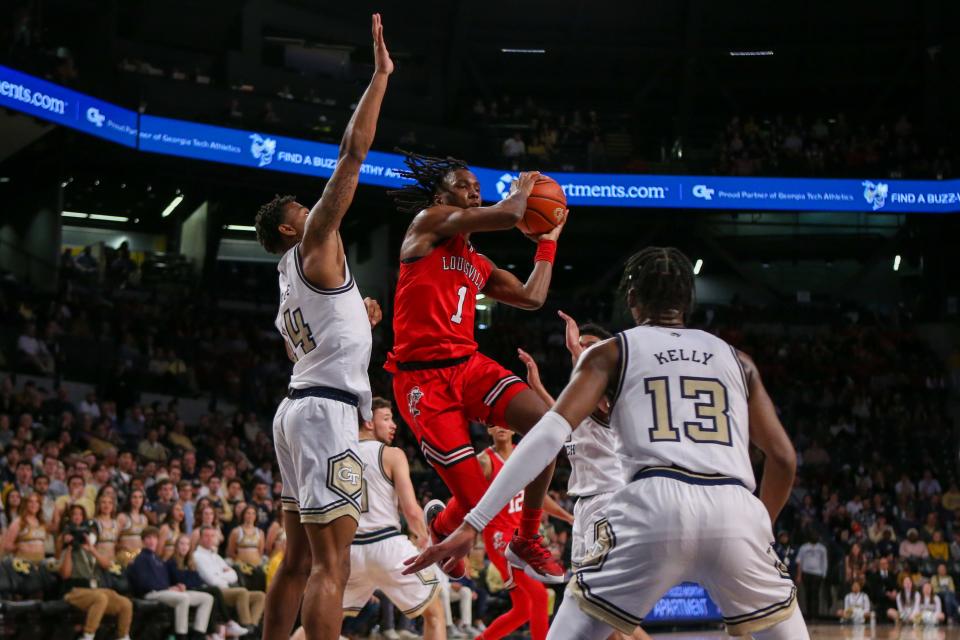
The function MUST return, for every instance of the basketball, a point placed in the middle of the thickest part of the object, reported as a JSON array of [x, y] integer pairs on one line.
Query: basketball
[[546, 207]]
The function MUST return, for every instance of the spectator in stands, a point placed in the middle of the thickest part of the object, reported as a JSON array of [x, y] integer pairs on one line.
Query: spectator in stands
[[876, 530], [247, 541], [79, 561], [160, 507], [182, 569], [928, 485], [908, 604], [149, 578], [185, 496], [811, 570], [151, 449], [855, 565], [217, 573], [856, 605], [173, 527], [268, 115], [938, 549], [263, 504], [514, 150], [33, 352], [944, 587], [27, 534], [22, 478], [955, 546], [41, 488], [913, 546], [108, 531]]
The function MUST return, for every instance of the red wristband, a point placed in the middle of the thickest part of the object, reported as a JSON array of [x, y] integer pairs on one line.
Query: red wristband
[[546, 251]]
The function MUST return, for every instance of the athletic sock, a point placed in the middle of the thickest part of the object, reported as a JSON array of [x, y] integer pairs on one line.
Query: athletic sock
[[530, 522]]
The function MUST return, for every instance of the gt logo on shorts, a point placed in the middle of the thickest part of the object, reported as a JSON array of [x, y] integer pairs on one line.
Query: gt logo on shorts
[[345, 475], [413, 397]]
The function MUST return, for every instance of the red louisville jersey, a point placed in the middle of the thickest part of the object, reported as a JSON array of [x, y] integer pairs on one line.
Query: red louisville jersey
[[510, 515], [436, 302]]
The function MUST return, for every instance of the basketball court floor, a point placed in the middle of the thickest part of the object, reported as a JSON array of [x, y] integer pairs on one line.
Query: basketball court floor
[[836, 632]]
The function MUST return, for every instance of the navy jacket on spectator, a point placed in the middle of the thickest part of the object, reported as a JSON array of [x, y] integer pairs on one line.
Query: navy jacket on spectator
[[187, 577], [147, 573]]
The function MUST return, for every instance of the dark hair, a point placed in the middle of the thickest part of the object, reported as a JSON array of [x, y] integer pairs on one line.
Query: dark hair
[[268, 220], [76, 475], [595, 330], [662, 280], [380, 403], [427, 173], [25, 463], [150, 531]]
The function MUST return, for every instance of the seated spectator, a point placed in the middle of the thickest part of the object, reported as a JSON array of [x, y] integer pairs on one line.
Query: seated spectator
[[514, 150], [929, 610], [78, 569], [33, 352], [215, 572], [856, 605], [131, 523], [247, 541], [182, 569], [11, 507], [26, 538], [928, 485], [938, 549], [913, 547], [908, 604], [159, 508], [855, 565], [875, 531], [150, 579], [151, 449], [944, 587]]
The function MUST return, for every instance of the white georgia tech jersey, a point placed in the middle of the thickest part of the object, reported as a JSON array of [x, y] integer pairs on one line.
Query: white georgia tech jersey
[[681, 400], [328, 331], [378, 504], [594, 462]]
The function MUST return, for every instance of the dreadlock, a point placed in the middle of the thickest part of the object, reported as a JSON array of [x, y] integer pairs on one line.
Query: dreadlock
[[268, 220], [427, 173], [662, 280]]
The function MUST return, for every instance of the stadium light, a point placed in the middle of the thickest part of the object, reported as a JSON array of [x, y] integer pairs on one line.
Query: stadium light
[[170, 207], [750, 54], [509, 50], [480, 296], [697, 266], [240, 227], [896, 262], [73, 214], [93, 216]]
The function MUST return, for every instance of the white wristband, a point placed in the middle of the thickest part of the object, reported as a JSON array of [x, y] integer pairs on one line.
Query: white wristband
[[536, 450]]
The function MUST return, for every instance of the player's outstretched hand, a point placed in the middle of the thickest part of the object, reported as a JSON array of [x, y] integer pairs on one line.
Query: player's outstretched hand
[[533, 371], [373, 311], [524, 183], [457, 545], [572, 336], [381, 56]]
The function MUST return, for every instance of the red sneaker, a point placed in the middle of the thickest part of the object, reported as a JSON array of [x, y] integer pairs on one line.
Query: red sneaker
[[536, 561], [430, 513]]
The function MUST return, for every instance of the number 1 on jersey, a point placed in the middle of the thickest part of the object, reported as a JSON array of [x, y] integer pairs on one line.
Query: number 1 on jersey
[[458, 316]]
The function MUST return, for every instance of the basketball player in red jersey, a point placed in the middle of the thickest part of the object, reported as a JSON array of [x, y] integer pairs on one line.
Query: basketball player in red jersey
[[441, 381], [528, 597]]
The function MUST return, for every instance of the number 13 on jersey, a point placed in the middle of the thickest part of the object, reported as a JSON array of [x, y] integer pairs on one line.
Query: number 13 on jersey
[[710, 410]]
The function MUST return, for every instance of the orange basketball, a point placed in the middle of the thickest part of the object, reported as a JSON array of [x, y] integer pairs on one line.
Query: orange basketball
[[546, 207]]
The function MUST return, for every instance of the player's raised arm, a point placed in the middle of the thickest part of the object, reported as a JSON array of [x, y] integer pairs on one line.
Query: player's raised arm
[[533, 377], [768, 434], [536, 450], [530, 295], [320, 261]]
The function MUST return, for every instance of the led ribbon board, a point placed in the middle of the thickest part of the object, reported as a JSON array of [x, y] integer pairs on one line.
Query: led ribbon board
[[258, 150]]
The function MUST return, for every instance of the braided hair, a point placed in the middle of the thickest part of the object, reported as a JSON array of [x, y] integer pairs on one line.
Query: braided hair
[[428, 174], [662, 280]]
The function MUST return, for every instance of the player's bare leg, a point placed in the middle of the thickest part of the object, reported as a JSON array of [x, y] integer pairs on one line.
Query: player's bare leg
[[434, 621], [525, 551], [286, 588]]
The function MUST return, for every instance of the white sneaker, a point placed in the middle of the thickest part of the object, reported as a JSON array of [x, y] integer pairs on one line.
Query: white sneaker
[[403, 634], [471, 631], [391, 634], [234, 630], [454, 632]]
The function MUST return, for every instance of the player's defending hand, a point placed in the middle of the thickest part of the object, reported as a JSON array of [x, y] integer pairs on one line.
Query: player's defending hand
[[455, 546], [373, 311], [381, 57], [572, 336], [533, 371]]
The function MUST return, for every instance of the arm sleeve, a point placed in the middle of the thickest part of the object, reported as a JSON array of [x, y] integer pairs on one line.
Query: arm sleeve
[[532, 455]]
